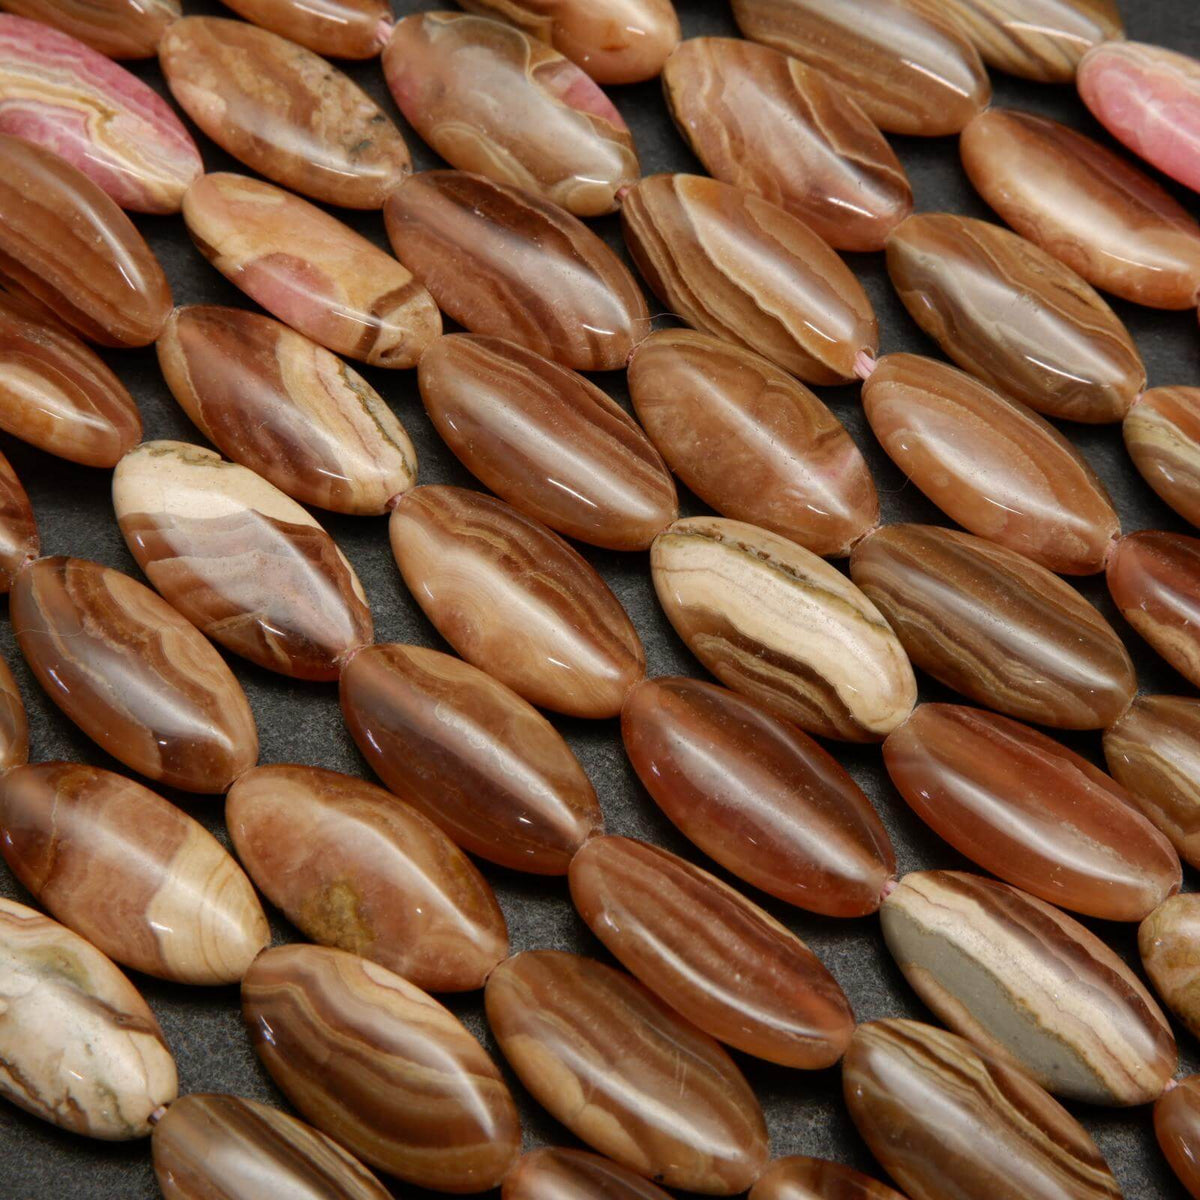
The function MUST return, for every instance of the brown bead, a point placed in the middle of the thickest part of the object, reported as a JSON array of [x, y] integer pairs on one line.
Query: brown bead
[[734, 265], [1177, 1127], [334, 28], [799, 1178], [556, 133], [14, 725], [1013, 316], [289, 410], [135, 676], [909, 67], [381, 1067], [516, 600], [19, 542], [711, 954], [991, 464], [504, 262], [470, 754], [135, 875], [765, 122], [996, 627], [118, 28], [1169, 943], [1086, 205], [283, 111], [548, 441], [625, 1074], [353, 867], [1162, 435], [554, 1173], [1026, 808], [758, 795], [946, 1120], [67, 244], [751, 441]]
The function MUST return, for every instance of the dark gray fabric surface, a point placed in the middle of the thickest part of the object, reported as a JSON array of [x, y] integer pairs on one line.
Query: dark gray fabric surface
[[300, 722]]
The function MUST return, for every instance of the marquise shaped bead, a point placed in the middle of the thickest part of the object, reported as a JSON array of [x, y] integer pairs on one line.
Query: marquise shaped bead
[[118, 28], [1177, 1128], [662, 1098], [782, 626], [381, 1067], [475, 758], [19, 542], [1167, 941], [735, 265], [136, 876], [335, 28], [1162, 435], [135, 676], [798, 1178], [14, 724], [556, 1173], [283, 111], [1024, 807], [353, 867], [81, 1048]]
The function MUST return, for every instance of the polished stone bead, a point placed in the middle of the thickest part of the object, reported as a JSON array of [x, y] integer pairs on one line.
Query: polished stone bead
[[548, 441], [765, 122], [14, 725], [1177, 1127], [751, 441], [118, 28], [140, 879], [782, 626], [134, 675], [504, 262], [556, 133], [470, 754], [799, 1178], [714, 956], [1024, 807], [996, 627], [625, 1073], [19, 542], [79, 1046], [734, 265], [210, 1147], [311, 271], [65, 243], [1086, 205], [1029, 985], [1013, 316], [283, 406], [334, 28], [1169, 943], [758, 795], [909, 67], [516, 600], [353, 867], [381, 1067], [283, 111], [991, 464], [554, 1173], [947, 1120], [1162, 435]]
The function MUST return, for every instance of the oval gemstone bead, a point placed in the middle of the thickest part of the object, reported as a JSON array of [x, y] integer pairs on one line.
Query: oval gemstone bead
[[334, 28], [1154, 578], [751, 441], [996, 627], [661, 1097], [118, 28], [1013, 316], [758, 795], [382, 1067], [505, 262], [799, 1178], [775, 622], [1177, 1127], [353, 867], [140, 879], [1169, 943], [121, 134], [286, 408], [19, 542], [556, 134], [913, 1091], [81, 1047], [765, 122], [548, 441], [991, 464], [473, 756], [1026, 808], [311, 271], [135, 676], [14, 725], [68, 245], [283, 111], [516, 600], [554, 1173], [912, 70], [1086, 205], [209, 1146], [711, 954], [246, 565], [1029, 985], [734, 265], [1162, 435]]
